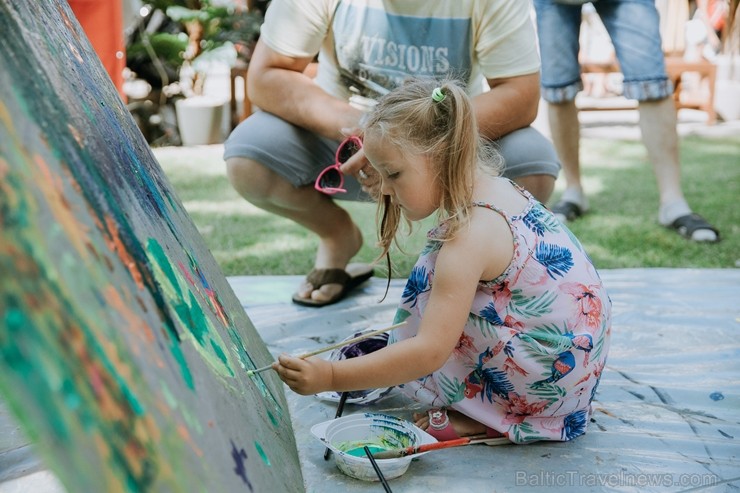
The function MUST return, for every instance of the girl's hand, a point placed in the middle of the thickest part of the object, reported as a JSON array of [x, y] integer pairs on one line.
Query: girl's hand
[[359, 167], [304, 376]]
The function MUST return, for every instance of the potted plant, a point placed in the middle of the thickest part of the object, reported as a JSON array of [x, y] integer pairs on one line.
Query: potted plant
[[214, 30], [181, 42]]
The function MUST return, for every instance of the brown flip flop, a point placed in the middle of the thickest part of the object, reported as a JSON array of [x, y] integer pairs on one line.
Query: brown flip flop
[[348, 281]]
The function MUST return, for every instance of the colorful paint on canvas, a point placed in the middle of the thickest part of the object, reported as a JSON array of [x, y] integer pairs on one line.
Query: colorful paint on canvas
[[123, 350]]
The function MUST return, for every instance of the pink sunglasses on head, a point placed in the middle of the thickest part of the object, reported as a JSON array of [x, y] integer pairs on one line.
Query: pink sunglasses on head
[[331, 179]]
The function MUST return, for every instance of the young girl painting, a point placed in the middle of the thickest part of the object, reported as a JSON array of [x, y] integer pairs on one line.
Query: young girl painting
[[508, 322]]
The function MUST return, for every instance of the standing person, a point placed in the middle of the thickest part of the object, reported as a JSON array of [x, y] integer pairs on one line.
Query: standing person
[[507, 321], [365, 48], [633, 26]]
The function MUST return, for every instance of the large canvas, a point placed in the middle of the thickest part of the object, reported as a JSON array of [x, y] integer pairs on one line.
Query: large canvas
[[123, 350]]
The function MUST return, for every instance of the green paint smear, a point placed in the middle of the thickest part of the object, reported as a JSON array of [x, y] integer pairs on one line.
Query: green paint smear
[[197, 321], [273, 419], [179, 356], [222, 356], [14, 319], [190, 313], [193, 422], [169, 398], [89, 114], [262, 453], [162, 261]]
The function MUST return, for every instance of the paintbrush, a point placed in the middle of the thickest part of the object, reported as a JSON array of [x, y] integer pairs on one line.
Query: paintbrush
[[333, 346], [340, 409], [382, 479], [418, 449]]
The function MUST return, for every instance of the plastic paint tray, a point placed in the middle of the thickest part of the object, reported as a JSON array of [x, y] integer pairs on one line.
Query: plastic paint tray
[[347, 435]]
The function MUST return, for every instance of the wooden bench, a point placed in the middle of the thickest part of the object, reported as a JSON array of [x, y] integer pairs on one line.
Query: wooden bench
[[239, 71], [676, 67]]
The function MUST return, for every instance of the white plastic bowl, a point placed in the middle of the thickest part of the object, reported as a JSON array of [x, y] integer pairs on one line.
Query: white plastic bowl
[[346, 437]]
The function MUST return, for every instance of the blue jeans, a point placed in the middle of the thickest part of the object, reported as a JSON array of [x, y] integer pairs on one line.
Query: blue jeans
[[634, 28]]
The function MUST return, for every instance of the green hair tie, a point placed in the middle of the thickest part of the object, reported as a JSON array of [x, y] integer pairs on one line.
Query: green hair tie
[[438, 95]]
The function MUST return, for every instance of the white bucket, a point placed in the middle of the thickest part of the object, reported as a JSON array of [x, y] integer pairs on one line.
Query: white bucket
[[347, 436], [200, 120]]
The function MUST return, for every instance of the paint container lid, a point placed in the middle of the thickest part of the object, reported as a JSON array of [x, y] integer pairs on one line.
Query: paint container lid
[[346, 437]]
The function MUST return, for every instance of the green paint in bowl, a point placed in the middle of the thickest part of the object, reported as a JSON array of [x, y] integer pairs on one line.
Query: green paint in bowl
[[346, 437], [360, 451]]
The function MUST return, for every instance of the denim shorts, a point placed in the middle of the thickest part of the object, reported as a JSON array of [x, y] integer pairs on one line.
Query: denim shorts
[[299, 155], [634, 29]]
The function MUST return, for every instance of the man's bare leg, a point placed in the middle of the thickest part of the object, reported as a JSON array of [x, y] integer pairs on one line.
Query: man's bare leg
[[339, 237], [565, 131], [659, 135], [540, 186], [658, 127]]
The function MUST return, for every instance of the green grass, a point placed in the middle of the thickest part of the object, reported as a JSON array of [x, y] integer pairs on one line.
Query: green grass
[[621, 230]]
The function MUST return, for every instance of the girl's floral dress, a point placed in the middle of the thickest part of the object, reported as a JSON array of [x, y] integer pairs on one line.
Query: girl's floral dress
[[531, 355]]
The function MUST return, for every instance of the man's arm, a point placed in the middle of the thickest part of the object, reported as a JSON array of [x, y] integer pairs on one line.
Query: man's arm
[[511, 104], [276, 84]]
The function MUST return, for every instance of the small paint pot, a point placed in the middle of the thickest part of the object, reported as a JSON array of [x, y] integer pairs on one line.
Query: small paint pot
[[347, 436], [353, 350]]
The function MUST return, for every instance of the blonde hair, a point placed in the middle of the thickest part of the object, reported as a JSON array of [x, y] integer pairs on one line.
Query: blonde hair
[[445, 131]]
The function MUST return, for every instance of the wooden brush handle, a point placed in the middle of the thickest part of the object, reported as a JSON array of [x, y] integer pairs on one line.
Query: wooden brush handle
[[418, 449]]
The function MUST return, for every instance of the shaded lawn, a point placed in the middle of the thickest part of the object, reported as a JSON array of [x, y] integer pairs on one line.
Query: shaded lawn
[[620, 231]]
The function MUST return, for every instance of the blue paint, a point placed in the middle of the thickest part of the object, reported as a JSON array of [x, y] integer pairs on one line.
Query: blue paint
[[716, 396], [240, 457]]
